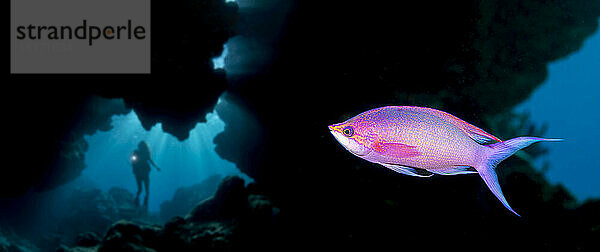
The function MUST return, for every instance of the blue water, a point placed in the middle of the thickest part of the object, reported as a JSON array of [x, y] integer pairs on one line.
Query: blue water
[[569, 101], [182, 163]]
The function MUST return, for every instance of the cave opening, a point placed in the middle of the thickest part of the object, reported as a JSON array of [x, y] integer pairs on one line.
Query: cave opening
[[183, 163], [219, 62]]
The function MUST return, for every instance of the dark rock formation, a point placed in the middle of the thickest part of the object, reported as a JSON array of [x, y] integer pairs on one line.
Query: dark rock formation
[[459, 57], [185, 198], [89, 211], [46, 123], [229, 201], [48, 139], [474, 59], [184, 84], [88, 239], [11, 242], [241, 126], [127, 236], [73, 215], [121, 196], [233, 219], [184, 43]]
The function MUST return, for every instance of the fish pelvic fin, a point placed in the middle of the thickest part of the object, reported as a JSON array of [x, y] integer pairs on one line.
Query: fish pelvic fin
[[496, 153], [408, 170]]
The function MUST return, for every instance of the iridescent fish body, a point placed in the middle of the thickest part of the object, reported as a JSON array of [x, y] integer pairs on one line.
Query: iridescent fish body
[[422, 142]]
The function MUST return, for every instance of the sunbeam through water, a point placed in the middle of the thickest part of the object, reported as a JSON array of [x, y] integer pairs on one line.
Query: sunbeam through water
[[182, 163]]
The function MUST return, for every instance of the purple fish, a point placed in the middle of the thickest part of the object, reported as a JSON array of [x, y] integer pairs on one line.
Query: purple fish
[[423, 141]]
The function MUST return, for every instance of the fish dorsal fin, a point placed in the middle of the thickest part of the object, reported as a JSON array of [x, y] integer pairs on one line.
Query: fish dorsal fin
[[398, 150], [454, 170], [481, 137], [477, 134], [409, 170]]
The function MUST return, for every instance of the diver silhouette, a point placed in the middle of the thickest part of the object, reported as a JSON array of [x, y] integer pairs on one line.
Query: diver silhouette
[[141, 160]]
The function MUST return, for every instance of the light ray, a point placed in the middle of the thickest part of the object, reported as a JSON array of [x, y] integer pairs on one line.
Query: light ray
[[183, 163]]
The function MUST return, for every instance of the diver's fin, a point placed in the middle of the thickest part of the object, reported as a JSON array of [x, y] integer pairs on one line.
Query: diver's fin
[[398, 150], [495, 154], [454, 170], [409, 170]]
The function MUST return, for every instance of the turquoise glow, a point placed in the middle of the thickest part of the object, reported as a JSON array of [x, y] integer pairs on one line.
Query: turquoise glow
[[182, 163], [219, 62]]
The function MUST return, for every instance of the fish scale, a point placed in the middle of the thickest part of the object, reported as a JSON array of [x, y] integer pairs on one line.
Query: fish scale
[[442, 144], [420, 141]]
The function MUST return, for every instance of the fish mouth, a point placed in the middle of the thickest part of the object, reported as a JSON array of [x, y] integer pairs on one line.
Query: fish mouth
[[334, 130], [349, 144], [339, 137]]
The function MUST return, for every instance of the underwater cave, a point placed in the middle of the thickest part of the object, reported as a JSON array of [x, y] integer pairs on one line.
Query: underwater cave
[[235, 115], [182, 163]]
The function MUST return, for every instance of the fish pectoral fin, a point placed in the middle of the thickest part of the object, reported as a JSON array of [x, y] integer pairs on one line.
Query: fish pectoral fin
[[408, 170], [454, 170], [396, 149]]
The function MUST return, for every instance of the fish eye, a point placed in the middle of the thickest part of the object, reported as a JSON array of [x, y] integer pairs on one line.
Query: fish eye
[[348, 131]]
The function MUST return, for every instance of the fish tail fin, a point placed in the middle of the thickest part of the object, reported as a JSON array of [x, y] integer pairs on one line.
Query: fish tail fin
[[496, 153]]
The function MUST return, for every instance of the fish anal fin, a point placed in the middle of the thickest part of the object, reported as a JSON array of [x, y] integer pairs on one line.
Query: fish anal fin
[[409, 170], [457, 170], [398, 150]]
